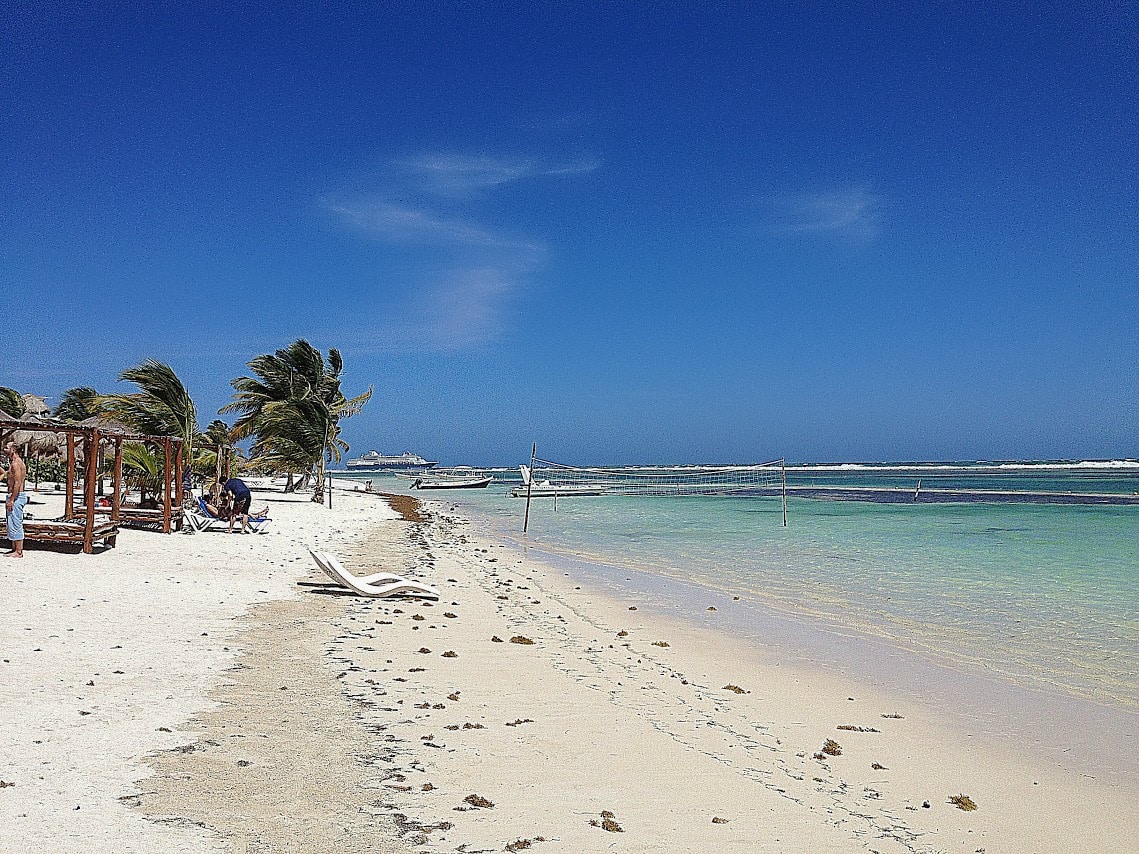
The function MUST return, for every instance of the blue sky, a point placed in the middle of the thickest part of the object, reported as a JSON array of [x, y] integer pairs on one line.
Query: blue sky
[[629, 232]]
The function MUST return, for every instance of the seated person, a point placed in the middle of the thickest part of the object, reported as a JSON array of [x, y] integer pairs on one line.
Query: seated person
[[217, 505]]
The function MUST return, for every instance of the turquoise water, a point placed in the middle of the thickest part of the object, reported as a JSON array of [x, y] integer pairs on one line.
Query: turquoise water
[[1039, 595]]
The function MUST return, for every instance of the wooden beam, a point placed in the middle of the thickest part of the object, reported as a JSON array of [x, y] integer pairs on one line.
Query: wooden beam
[[92, 460], [167, 498], [117, 482], [69, 495], [179, 476]]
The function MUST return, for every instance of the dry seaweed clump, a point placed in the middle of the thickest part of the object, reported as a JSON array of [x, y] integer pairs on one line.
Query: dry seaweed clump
[[717, 820], [832, 747], [478, 801], [521, 639], [450, 654], [735, 689], [852, 728], [608, 822], [660, 643], [963, 802], [523, 844], [622, 634]]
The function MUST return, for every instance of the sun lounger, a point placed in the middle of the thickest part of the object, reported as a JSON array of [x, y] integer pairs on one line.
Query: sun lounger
[[377, 585], [201, 519], [333, 568]]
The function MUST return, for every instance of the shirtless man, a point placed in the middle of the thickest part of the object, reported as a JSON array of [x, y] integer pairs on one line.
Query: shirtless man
[[17, 499]]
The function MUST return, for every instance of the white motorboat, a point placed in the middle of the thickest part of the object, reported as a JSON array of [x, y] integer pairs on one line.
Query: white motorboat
[[547, 489], [460, 477]]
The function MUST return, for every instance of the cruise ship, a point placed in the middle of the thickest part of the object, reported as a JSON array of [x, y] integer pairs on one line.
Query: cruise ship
[[375, 461]]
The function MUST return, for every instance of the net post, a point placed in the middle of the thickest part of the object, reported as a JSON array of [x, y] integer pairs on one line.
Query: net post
[[529, 486], [783, 470]]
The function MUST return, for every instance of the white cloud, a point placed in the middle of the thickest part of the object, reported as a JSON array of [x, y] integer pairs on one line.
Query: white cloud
[[406, 225], [483, 266], [463, 308], [852, 213], [459, 174]]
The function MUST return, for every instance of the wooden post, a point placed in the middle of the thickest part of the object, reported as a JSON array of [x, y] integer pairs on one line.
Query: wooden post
[[69, 495], [783, 468], [92, 461], [529, 486], [117, 482], [179, 475], [166, 496]]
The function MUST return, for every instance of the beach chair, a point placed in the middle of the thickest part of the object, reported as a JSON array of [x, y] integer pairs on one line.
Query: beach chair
[[376, 585], [200, 518]]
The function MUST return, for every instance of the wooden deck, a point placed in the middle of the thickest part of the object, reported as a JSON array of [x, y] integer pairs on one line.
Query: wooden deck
[[65, 532]]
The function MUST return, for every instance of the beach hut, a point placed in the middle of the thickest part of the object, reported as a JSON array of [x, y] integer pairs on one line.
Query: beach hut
[[82, 441]]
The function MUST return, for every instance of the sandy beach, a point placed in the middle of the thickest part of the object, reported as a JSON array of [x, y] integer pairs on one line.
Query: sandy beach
[[214, 693]]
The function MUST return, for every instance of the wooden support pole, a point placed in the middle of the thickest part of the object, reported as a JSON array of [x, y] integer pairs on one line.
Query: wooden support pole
[[167, 498], [179, 476], [783, 468], [117, 482], [91, 458], [529, 486], [69, 495]]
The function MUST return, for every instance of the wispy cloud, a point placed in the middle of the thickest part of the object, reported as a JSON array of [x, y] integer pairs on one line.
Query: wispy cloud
[[469, 271], [850, 213], [463, 307], [459, 175], [405, 225]]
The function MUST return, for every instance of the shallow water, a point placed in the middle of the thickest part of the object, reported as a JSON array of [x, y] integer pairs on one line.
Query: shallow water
[[1042, 596]]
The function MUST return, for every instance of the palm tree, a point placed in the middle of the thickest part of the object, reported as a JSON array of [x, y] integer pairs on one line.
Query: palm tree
[[78, 404], [11, 403], [216, 436], [292, 406], [162, 407]]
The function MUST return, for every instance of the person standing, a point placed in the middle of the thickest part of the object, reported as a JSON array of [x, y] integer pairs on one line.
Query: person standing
[[17, 499], [240, 499]]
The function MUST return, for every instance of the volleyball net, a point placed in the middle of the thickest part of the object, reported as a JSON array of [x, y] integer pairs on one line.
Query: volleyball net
[[547, 478]]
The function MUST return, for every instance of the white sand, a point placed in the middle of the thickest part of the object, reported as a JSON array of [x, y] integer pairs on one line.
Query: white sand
[[99, 654], [321, 741]]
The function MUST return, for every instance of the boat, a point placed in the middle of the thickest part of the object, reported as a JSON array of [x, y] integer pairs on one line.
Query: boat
[[546, 489], [375, 461], [460, 477]]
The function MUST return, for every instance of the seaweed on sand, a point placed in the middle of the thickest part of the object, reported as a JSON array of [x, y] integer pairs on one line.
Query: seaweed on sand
[[608, 822], [832, 747], [963, 802]]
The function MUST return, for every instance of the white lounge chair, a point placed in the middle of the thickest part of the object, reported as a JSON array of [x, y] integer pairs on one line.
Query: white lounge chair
[[334, 569], [377, 585], [199, 518]]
